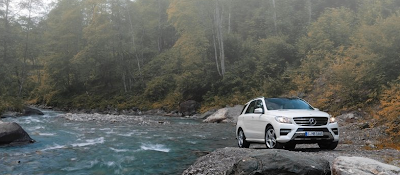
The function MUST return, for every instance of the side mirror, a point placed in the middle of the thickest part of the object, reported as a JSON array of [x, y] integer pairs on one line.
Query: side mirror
[[258, 111], [316, 109]]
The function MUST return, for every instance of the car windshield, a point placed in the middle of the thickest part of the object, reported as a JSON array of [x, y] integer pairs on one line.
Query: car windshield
[[286, 103]]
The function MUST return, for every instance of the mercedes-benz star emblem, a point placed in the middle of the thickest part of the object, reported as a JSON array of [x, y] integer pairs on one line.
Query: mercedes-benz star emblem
[[312, 121]]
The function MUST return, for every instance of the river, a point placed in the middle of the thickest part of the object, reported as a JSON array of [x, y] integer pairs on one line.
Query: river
[[81, 147]]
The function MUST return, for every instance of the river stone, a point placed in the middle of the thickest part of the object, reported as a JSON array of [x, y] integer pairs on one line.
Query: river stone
[[228, 114], [31, 111], [13, 134], [234, 112], [344, 165], [218, 116], [188, 108], [206, 114]]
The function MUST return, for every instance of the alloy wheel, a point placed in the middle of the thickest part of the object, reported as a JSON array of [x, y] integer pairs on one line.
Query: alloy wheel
[[270, 138]]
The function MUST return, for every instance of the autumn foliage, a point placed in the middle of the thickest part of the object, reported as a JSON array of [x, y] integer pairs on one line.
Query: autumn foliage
[[339, 55]]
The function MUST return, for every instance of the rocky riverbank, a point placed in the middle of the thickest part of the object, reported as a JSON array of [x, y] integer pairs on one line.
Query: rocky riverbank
[[275, 161], [138, 120]]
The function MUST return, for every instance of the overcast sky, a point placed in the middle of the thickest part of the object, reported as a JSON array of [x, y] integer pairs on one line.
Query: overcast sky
[[16, 10]]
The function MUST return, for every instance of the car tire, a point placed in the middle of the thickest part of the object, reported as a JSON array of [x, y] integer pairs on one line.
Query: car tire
[[242, 143], [270, 139], [329, 146], [290, 146]]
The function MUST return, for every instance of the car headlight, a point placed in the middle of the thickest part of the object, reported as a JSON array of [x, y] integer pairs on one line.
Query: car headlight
[[282, 119], [332, 119]]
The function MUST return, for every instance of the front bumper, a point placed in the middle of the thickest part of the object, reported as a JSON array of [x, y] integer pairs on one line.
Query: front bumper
[[289, 133]]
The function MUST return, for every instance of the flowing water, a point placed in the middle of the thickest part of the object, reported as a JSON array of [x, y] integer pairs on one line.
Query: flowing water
[[71, 147]]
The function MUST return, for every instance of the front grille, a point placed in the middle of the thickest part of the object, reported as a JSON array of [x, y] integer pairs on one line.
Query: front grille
[[312, 129], [308, 121]]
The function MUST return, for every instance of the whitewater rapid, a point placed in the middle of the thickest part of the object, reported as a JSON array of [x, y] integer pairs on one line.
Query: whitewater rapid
[[138, 145]]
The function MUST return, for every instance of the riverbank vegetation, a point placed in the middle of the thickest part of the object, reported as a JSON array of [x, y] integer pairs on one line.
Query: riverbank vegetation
[[339, 55]]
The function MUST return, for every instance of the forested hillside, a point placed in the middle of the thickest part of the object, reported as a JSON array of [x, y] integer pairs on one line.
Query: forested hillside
[[340, 55]]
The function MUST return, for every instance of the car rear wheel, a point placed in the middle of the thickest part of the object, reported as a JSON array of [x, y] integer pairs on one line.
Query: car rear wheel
[[242, 143], [330, 146], [270, 138]]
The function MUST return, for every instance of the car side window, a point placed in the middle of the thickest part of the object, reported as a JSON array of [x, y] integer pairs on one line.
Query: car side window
[[259, 104], [251, 107]]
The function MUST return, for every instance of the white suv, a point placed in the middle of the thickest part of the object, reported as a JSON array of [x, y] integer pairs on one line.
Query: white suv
[[285, 122]]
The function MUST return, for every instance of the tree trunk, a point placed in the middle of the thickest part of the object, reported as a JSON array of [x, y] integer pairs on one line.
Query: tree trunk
[[220, 37], [6, 31], [159, 40], [274, 17], [26, 51], [134, 46], [216, 56], [124, 82], [309, 11], [229, 17]]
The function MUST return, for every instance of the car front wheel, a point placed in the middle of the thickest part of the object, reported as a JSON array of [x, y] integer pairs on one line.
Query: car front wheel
[[242, 143], [270, 138]]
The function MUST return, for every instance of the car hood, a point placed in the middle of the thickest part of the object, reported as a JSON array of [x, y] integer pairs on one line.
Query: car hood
[[297, 113]]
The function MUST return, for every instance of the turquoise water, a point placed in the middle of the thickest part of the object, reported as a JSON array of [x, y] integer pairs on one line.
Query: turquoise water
[[70, 147]]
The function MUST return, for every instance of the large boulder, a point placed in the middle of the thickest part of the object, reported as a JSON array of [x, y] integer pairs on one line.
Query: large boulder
[[13, 134], [238, 161], [234, 112], [280, 162], [217, 117], [228, 114], [188, 108], [344, 165], [31, 111]]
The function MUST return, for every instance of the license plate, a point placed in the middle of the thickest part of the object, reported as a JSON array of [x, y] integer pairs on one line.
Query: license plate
[[314, 133]]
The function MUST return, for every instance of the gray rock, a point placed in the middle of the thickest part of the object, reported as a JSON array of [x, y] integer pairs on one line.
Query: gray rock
[[207, 114], [13, 134], [31, 111], [252, 161], [344, 165], [217, 162], [234, 112], [189, 107], [228, 114], [365, 126], [280, 162], [217, 117]]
